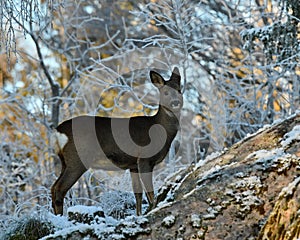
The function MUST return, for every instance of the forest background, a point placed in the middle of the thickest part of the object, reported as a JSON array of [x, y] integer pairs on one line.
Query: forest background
[[239, 61]]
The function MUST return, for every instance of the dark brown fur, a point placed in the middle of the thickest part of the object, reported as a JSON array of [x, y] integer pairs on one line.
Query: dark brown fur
[[120, 143]]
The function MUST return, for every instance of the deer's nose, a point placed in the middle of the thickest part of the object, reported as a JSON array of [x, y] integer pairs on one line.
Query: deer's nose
[[175, 104]]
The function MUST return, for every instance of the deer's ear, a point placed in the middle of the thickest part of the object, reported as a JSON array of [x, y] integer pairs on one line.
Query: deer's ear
[[157, 79], [175, 78]]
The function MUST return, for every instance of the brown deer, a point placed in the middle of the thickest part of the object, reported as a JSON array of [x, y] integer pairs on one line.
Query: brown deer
[[136, 143]]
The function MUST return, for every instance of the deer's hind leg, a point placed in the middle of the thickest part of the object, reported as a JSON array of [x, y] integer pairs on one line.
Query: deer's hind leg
[[146, 177], [147, 182], [68, 177]]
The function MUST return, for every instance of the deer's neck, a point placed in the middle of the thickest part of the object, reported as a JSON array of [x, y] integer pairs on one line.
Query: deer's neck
[[168, 119]]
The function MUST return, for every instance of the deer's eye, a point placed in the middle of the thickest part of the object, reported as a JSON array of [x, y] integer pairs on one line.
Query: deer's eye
[[166, 93]]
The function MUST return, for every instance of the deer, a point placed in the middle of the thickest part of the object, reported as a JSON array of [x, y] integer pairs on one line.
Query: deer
[[136, 143]]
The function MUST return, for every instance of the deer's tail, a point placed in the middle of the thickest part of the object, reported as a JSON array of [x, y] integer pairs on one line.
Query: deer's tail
[[58, 141]]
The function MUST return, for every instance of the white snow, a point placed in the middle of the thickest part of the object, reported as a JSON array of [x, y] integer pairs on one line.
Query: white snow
[[65, 227], [290, 189], [89, 9], [263, 155], [291, 136], [196, 220], [81, 209], [169, 220]]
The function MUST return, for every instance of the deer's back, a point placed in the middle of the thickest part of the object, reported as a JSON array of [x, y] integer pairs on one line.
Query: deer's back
[[107, 143]]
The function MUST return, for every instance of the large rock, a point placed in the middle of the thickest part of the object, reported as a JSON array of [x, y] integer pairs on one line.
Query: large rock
[[250, 191]]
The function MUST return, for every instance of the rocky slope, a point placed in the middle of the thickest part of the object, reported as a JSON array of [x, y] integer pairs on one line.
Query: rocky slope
[[250, 191]]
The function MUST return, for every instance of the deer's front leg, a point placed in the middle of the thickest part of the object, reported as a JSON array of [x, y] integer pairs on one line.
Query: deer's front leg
[[145, 172], [137, 190]]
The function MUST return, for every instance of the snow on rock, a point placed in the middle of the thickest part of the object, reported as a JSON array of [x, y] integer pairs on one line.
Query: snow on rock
[[132, 225], [291, 136], [276, 158], [290, 189], [91, 223], [85, 214], [196, 221], [82, 209], [165, 195], [169, 221], [266, 155], [244, 193]]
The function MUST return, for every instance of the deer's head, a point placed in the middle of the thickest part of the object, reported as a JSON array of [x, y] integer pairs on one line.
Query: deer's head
[[170, 91]]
